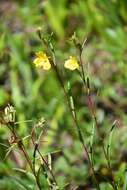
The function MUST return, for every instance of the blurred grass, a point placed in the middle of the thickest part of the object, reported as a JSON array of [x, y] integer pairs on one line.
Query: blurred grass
[[36, 93]]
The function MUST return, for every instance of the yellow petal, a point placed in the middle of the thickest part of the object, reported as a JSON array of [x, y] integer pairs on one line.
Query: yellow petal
[[71, 63], [38, 62], [41, 61], [46, 65], [40, 54]]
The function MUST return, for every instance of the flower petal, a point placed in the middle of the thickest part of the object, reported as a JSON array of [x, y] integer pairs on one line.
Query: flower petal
[[41, 61], [71, 63]]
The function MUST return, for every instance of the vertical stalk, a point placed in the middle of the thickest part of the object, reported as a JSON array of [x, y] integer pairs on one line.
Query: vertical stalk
[[92, 108], [21, 146], [74, 117], [49, 46], [45, 162]]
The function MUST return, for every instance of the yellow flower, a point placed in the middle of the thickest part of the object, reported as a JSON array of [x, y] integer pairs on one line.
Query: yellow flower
[[71, 63], [41, 61]]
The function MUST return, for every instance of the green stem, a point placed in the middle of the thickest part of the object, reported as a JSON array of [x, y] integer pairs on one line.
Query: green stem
[[22, 148], [92, 109], [74, 117], [45, 162]]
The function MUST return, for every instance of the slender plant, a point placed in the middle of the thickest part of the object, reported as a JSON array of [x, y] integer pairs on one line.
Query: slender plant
[[42, 61], [8, 120], [92, 105]]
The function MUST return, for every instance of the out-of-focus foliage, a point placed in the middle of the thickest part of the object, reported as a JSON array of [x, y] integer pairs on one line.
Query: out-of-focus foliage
[[37, 94]]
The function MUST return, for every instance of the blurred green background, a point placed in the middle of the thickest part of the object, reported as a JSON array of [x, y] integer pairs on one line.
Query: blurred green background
[[36, 93]]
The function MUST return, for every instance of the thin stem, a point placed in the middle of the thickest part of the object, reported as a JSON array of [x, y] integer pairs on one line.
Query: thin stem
[[92, 108], [73, 112], [74, 117], [22, 148], [45, 162], [82, 69]]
